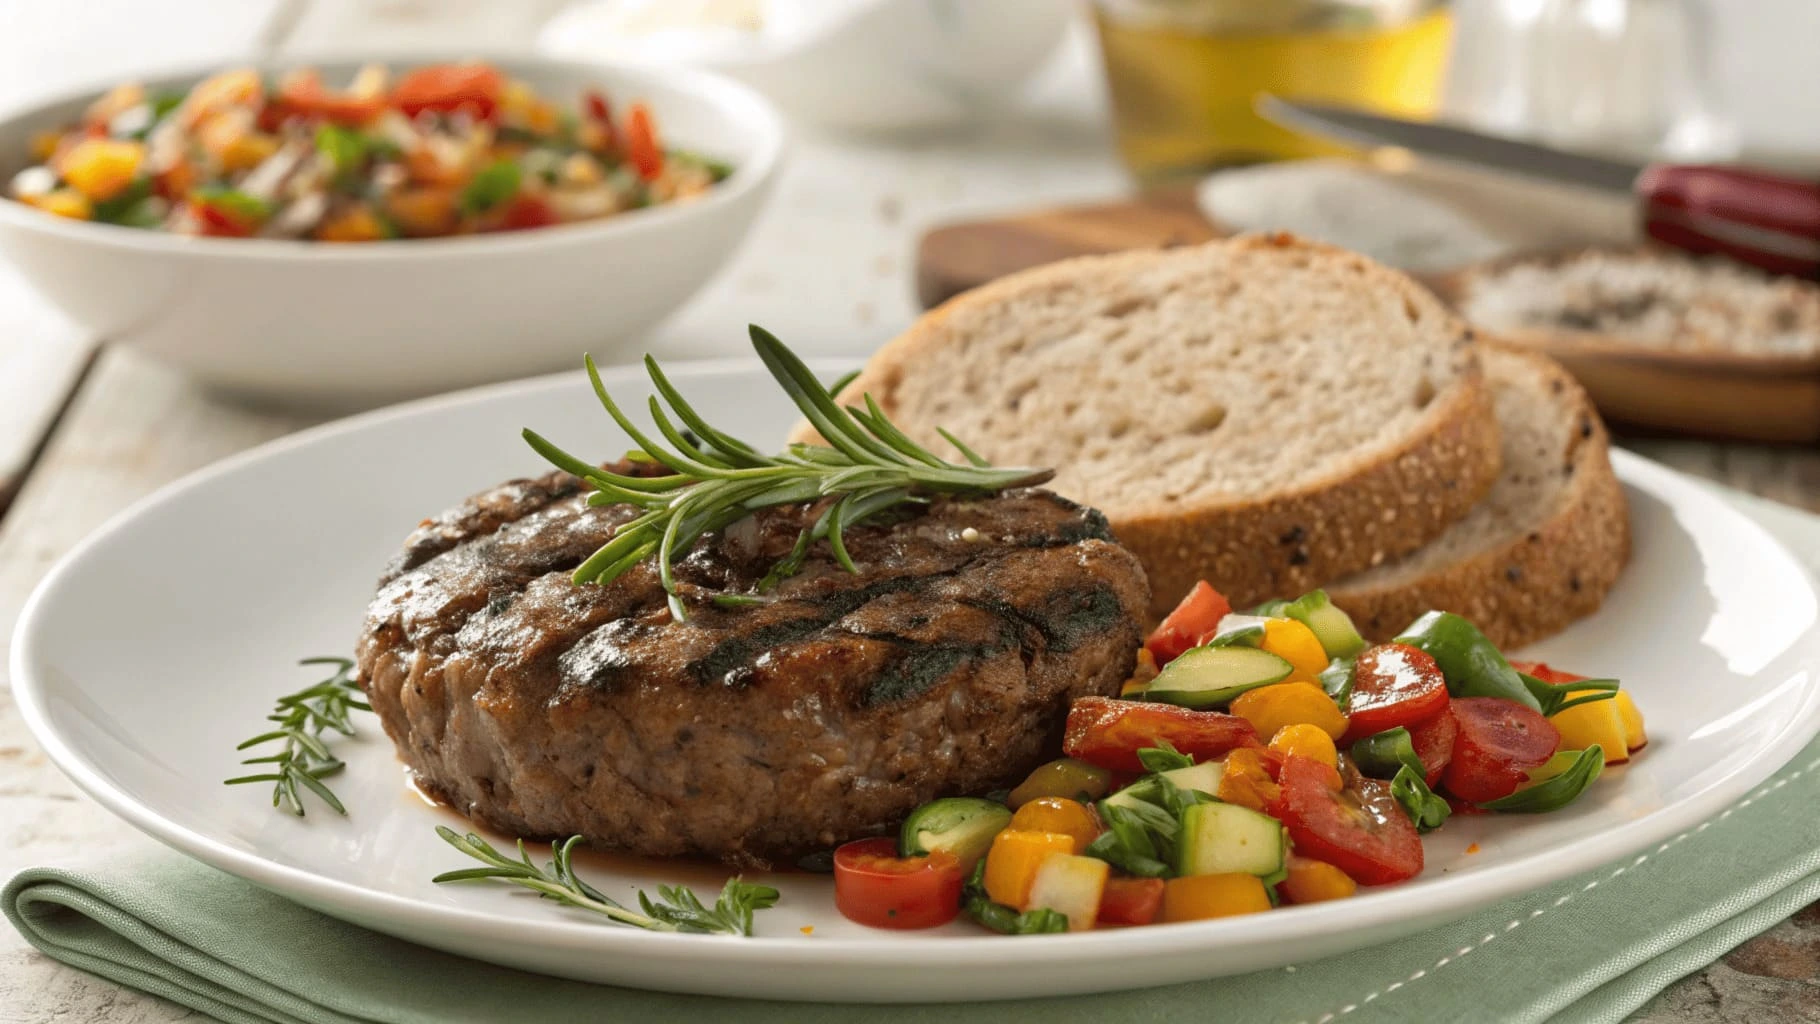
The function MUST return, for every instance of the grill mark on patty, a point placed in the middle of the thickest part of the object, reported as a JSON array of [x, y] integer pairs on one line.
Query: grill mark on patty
[[478, 519], [1067, 619]]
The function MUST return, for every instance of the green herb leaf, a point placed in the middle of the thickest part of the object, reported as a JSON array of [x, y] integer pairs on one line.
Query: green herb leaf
[[716, 480], [677, 908], [490, 186], [1427, 810], [1553, 697], [1382, 755], [1337, 678], [1557, 792], [1163, 757], [302, 718]]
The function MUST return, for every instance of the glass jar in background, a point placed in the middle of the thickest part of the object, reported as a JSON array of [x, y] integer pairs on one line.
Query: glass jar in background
[[1183, 73]]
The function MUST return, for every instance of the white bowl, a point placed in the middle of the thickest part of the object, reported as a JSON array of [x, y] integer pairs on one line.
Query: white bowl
[[859, 66], [347, 325]]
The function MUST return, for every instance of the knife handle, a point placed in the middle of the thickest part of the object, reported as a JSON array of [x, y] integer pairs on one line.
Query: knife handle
[[1767, 220]]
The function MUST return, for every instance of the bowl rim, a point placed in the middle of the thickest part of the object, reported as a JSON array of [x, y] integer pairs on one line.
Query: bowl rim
[[732, 98]]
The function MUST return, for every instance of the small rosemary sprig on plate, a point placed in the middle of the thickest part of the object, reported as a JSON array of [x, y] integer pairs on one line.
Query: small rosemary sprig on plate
[[302, 718], [870, 466], [677, 909]]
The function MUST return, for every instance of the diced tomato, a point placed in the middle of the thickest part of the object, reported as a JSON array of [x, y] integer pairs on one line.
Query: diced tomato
[[1110, 732], [1193, 622], [1393, 685], [1433, 741], [219, 222], [527, 212], [1499, 741], [1131, 901], [1541, 671], [875, 887], [642, 148], [445, 88], [1360, 829], [594, 103], [302, 94]]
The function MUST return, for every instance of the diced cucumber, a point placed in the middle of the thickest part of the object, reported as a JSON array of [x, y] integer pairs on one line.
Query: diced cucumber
[[1204, 777], [961, 825], [1332, 626], [1071, 886], [1208, 677], [1220, 838]]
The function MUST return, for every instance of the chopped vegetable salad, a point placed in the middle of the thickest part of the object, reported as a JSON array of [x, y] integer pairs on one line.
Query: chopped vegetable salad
[[1253, 760], [447, 149]]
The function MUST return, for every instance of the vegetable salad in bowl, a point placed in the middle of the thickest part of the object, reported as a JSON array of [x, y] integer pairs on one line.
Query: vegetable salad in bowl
[[445, 149], [1259, 759]]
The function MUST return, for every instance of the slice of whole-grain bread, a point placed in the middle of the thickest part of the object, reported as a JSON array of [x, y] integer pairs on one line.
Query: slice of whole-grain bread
[[1544, 546], [1263, 412]]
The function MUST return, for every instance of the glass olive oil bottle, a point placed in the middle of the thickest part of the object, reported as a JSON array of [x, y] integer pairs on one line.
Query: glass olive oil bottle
[[1184, 73]]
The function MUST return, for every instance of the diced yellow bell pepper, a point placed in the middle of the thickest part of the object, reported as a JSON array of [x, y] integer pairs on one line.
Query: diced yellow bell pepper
[[64, 202], [1295, 643], [1634, 736], [1313, 881], [1270, 708], [1012, 863], [1058, 814], [1598, 722], [423, 211], [355, 225], [1309, 741], [247, 150], [101, 169], [1198, 897], [1071, 886], [1246, 782]]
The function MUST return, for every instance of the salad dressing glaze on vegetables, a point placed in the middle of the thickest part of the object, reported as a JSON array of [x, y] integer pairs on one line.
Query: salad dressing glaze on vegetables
[[1255, 760], [445, 149]]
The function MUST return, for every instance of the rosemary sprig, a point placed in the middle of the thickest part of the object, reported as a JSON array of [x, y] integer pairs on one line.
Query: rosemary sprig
[[677, 909], [302, 718], [716, 479]]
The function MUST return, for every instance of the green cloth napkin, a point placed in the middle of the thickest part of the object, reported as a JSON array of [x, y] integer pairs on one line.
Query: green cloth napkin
[[1594, 948]]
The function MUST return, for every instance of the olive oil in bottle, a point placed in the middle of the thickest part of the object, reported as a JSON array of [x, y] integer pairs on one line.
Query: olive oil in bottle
[[1184, 73]]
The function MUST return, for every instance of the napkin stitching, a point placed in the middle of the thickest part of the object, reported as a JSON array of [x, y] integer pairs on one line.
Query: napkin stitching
[[1562, 901]]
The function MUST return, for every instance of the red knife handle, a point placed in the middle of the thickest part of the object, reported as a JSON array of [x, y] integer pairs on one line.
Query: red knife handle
[[1764, 219]]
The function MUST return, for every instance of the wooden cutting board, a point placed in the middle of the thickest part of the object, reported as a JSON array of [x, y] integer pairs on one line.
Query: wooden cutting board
[[1659, 392], [952, 258]]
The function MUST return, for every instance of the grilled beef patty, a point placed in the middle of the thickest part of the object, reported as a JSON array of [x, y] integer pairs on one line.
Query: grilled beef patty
[[752, 734]]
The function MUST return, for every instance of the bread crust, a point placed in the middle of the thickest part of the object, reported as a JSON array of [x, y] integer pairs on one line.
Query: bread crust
[[1532, 586], [1269, 545]]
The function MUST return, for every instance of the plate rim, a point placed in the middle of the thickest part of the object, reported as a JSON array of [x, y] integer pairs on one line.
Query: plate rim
[[1443, 898]]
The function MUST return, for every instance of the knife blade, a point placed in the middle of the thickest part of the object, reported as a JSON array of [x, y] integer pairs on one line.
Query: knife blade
[[1453, 143]]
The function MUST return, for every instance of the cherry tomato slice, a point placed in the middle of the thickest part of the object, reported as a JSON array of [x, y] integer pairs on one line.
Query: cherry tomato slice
[[1127, 901], [1499, 741], [1193, 622], [1393, 685], [875, 887], [1360, 830], [444, 88], [1110, 732], [1433, 742]]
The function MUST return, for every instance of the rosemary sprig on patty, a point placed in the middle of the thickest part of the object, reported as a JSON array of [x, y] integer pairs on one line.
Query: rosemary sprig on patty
[[869, 467]]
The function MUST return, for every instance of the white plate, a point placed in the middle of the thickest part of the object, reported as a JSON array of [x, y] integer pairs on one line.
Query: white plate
[[158, 644]]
